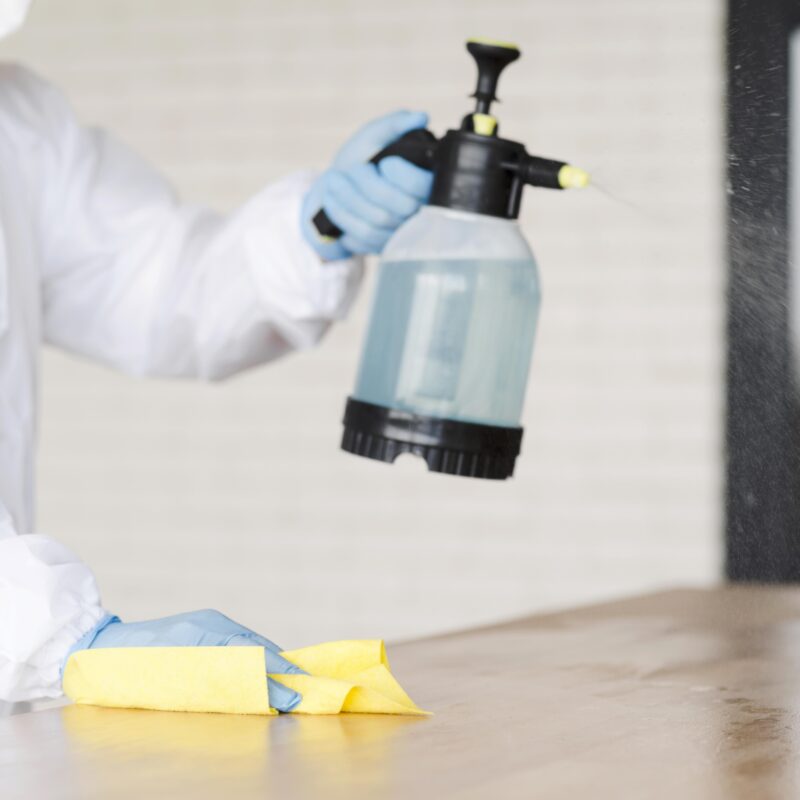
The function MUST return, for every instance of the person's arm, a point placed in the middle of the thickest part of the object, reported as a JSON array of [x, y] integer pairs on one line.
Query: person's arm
[[50, 607], [136, 279], [133, 278]]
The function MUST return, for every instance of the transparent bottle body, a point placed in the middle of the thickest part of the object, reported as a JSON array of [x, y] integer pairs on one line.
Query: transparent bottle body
[[453, 320]]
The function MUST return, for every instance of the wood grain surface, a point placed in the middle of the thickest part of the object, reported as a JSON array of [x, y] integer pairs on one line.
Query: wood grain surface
[[682, 694]]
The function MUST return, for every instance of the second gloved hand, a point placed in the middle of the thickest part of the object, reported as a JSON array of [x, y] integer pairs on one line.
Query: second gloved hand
[[206, 628], [367, 202]]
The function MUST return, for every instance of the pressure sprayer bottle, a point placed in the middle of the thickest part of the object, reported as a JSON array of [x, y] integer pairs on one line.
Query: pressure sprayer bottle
[[445, 363]]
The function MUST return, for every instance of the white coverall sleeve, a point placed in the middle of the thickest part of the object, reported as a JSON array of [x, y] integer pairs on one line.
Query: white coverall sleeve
[[135, 279], [48, 600], [148, 285]]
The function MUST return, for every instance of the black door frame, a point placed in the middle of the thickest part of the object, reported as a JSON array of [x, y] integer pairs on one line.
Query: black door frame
[[762, 500]]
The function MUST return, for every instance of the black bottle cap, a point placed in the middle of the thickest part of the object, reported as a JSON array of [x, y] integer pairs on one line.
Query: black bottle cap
[[478, 173]]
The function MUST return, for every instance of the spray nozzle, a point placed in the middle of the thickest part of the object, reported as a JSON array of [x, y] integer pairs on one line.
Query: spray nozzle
[[492, 58], [550, 174]]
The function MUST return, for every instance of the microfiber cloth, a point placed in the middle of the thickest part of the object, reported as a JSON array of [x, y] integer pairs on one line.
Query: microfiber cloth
[[348, 676]]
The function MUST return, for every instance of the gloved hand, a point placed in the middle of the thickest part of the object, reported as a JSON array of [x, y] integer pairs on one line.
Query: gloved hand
[[368, 202], [194, 629]]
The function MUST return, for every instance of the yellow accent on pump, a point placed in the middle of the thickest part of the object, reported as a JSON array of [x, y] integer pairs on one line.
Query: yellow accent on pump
[[484, 124], [492, 43], [570, 177]]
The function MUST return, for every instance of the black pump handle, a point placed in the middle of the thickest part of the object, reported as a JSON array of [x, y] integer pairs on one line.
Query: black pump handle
[[417, 146], [492, 58]]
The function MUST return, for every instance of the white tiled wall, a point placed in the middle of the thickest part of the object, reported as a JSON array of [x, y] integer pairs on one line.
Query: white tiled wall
[[236, 496]]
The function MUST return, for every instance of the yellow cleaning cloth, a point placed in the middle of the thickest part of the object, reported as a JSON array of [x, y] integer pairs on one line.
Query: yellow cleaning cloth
[[345, 676], [225, 679]]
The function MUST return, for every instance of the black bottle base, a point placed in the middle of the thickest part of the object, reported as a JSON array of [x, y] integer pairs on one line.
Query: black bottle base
[[455, 448]]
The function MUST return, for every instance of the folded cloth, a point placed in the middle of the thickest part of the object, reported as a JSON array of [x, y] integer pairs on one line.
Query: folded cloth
[[348, 676]]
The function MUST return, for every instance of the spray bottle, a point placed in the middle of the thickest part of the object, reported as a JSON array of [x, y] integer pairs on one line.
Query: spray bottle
[[445, 362]]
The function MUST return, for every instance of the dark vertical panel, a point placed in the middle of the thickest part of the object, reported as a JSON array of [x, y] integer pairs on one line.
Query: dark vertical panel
[[762, 498]]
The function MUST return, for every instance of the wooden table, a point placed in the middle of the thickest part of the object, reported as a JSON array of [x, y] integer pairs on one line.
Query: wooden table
[[682, 694]]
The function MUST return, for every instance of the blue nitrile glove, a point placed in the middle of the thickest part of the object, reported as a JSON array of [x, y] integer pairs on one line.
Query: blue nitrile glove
[[368, 202], [206, 628]]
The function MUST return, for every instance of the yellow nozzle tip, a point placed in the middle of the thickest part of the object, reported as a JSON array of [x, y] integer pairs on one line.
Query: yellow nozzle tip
[[570, 177]]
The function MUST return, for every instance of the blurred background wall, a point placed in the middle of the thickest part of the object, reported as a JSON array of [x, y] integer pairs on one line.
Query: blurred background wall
[[235, 496]]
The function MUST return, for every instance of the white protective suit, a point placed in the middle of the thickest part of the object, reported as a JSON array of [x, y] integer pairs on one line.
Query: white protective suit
[[99, 258]]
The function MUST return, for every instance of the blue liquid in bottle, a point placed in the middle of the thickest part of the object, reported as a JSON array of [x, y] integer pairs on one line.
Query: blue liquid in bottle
[[452, 338]]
